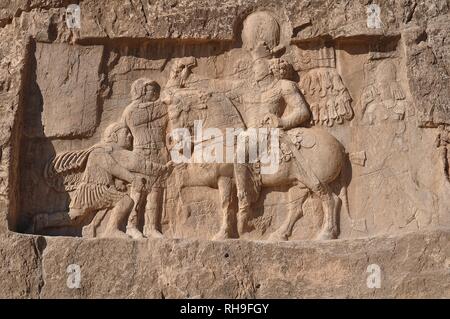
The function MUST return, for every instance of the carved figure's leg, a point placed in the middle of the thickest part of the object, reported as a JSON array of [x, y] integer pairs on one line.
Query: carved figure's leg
[[132, 225], [43, 221], [243, 214], [242, 177], [120, 211], [225, 188], [297, 196], [153, 213]]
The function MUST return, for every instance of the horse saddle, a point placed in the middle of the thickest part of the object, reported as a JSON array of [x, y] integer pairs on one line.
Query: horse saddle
[[302, 138]]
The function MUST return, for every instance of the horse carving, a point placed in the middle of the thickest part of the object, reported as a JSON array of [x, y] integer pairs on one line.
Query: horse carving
[[311, 159]]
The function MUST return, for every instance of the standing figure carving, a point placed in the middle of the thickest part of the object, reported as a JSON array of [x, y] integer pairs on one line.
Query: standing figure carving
[[384, 98], [146, 118]]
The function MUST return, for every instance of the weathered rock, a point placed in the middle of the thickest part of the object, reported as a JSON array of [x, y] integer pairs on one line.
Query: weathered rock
[[73, 72], [88, 113], [412, 266], [20, 266]]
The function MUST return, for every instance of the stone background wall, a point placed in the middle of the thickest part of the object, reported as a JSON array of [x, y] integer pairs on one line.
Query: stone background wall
[[401, 187]]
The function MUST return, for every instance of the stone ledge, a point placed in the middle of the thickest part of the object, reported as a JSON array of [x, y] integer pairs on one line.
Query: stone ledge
[[414, 265]]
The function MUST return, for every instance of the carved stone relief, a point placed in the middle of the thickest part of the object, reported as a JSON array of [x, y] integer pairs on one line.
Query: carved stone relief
[[382, 98], [100, 162], [224, 149], [329, 99]]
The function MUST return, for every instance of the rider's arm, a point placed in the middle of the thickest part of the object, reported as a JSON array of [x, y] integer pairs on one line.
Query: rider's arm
[[296, 112], [231, 88], [126, 115]]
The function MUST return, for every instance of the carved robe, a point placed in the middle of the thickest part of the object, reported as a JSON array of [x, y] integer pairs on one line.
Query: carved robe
[[97, 186]]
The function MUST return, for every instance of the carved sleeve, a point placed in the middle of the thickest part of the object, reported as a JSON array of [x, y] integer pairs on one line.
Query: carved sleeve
[[135, 163], [367, 96], [296, 111], [153, 168], [126, 115], [130, 161], [232, 89], [117, 170]]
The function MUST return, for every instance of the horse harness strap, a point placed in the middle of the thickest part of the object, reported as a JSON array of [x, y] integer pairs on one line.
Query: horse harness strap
[[306, 173]]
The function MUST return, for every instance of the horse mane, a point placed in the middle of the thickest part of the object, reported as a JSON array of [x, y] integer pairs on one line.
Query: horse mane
[[215, 110]]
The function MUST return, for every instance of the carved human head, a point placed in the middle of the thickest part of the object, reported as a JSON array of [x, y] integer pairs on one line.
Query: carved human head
[[145, 90], [119, 134], [280, 68], [277, 68], [261, 69]]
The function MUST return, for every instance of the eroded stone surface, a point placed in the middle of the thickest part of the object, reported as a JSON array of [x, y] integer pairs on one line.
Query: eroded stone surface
[[412, 266], [20, 270], [85, 116], [74, 72]]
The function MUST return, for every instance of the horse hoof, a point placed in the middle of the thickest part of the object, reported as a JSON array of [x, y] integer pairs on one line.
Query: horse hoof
[[326, 235], [115, 234], [276, 236], [134, 233], [221, 235], [154, 233], [244, 226]]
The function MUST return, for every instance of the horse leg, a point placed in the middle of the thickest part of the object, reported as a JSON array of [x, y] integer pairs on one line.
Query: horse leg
[[243, 214], [225, 187], [297, 197], [330, 206], [132, 224]]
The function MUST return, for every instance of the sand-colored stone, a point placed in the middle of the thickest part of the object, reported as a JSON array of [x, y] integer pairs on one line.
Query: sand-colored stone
[[412, 266], [87, 122]]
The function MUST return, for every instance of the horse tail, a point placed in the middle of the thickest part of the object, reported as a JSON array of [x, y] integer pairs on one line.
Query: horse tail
[[356, 224]]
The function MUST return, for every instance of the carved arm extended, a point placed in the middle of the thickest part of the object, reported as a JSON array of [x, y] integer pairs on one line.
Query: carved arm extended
[[296, 112]]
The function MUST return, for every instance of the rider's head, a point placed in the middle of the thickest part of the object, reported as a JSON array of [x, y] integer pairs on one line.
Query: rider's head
[[277, 68], [261, 69], [119, 134], [145, 90], [280, 68]]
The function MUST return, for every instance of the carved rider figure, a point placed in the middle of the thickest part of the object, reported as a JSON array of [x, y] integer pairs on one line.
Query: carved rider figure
[[146, 119], [273, 101]]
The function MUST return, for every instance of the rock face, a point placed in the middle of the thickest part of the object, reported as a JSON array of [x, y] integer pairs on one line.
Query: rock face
[[60, 69], [265, 150], [414, 265]]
